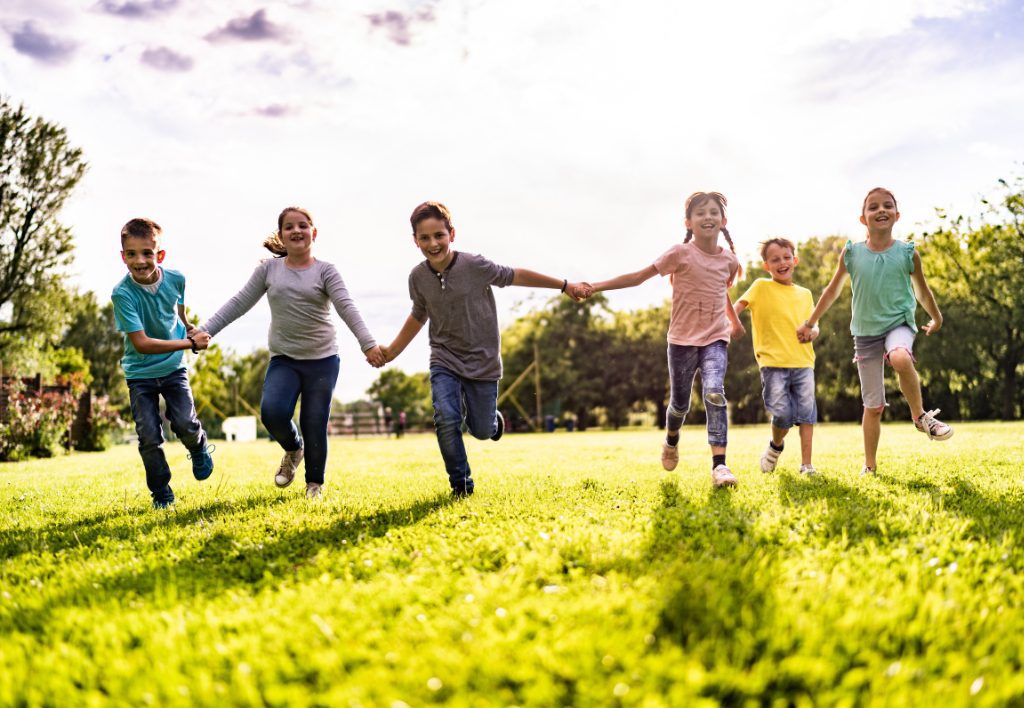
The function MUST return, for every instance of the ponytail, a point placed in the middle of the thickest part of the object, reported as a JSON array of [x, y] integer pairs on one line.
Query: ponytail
[[274, 244], [689, 236]]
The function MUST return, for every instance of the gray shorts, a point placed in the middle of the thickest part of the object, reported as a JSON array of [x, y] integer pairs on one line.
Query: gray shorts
[[870, 355]]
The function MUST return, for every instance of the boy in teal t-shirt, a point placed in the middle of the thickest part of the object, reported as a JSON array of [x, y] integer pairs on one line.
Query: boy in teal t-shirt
[[149, 307]]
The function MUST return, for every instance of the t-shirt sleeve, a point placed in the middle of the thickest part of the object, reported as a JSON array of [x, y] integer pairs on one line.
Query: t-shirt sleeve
[[495, 274], [909, 252], [419, 303], [848, 254], [734, 269], [670, 261], [126, 314], [750, 297]]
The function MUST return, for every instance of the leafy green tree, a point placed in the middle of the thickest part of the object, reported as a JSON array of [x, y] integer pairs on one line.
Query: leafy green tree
[[977, 272], [38, 171], [400, 391], [93, 331]]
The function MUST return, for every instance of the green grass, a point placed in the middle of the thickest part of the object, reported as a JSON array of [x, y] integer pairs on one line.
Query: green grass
[[580, 573]]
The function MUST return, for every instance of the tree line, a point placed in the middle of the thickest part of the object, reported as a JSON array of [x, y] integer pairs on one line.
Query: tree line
[[598, 365]]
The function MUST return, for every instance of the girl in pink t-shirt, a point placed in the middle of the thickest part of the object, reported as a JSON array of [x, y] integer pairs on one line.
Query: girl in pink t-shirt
[[702, 322]]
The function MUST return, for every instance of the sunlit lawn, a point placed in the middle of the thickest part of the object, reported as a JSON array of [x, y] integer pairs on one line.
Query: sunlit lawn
[[581, 573]]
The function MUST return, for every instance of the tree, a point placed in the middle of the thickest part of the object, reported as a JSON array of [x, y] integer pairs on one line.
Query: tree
[[977, 273], [400, 391], [93, 331], [38, 170]]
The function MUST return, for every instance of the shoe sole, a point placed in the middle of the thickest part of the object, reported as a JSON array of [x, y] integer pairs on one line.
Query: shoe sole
[[282, 486], [724, 483], [200, 478]]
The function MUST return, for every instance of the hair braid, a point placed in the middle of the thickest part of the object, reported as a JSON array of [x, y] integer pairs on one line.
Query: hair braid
[[689, 236], [725, 232]]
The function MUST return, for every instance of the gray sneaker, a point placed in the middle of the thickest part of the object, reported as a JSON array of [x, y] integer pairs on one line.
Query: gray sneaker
[[669, 456], [313, 490], [722, 476], [867, 471], [769, 459], [931, 426], [808, 470], [289, 463]]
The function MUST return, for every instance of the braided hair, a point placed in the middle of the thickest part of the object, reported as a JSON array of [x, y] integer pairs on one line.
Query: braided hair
[[699, 199]]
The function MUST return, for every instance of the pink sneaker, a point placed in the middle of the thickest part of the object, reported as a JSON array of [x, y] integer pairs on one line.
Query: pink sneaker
[[931, 426], [722, 476]]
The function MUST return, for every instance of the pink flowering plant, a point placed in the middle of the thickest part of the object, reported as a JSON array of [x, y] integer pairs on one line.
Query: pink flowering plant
[[36, 425]]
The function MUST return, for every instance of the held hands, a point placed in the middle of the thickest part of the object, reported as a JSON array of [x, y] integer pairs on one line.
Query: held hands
[[738, 330], [200, 338], [805, 333], [376, 357], [579, 291]]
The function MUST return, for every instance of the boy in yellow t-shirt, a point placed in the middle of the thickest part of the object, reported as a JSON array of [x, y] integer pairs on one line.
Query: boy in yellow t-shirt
[[777, 308]]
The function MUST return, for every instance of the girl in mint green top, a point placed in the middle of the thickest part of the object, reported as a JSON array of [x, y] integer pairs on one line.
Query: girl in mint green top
[[887, 285], [883, 296]]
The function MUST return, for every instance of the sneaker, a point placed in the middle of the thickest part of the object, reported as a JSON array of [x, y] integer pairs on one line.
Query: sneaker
[[808, 470], [867, 471], [931, 426], [769, 459], [501, 427], [289, 463], [462, 493], [202, 463], [164, 498], [722, 476], [313, 490], [669, 456]]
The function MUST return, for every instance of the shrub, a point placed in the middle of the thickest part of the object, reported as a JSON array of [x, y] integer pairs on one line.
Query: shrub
[[37, 425]]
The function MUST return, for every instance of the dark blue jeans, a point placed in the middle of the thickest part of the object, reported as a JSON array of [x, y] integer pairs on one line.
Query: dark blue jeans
[[144, 395], [314, 380], [458, 400], [683, 363]]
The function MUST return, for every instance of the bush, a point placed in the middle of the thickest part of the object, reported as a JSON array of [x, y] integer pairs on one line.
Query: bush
[[104, 423], [37, 425]]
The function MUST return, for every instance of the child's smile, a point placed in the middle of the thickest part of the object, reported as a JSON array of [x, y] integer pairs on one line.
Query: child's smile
[[434, 240]]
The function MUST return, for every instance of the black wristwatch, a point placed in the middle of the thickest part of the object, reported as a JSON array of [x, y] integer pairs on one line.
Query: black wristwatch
[[195, 350]]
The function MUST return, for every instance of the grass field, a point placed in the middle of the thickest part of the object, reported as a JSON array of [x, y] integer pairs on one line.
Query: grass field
[[581, 573]]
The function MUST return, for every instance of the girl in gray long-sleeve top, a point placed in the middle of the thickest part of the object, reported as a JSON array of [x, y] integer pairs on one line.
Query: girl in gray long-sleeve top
[[302, 341]]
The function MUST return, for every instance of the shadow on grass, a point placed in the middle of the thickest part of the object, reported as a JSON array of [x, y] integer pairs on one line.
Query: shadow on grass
[[851, 512], [222, 563], [718, 584]]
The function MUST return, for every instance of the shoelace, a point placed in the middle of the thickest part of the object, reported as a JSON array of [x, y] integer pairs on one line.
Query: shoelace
[[928, 419], [208, 450]]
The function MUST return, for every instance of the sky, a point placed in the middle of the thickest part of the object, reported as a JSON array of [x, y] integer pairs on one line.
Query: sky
[[564, 136]]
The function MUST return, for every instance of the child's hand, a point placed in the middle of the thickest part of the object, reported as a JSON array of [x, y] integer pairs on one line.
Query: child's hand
[[579, 291], [190, 329], [805, 333], [376, 357], [738, 330], [201, 338], [933, 326]]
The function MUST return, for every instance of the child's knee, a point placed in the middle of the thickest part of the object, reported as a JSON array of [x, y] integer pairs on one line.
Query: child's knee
[[715, 398], [901, 360], [874, 411]]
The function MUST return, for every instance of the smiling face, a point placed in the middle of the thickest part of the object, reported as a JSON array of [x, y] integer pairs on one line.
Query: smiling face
[[879, 212], [705, 219], [780, 262], [434, 240], [297, 234], [142, 254]]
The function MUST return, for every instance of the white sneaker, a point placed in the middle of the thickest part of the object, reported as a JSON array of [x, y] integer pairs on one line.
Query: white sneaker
[[722, 476], [808, 470], [934, 428], [669, 456], [867, 471], [769, 459], [289, 463], [313, 490]]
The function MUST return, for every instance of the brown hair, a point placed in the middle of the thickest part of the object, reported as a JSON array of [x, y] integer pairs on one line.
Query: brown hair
[[777, 241], [699, 199], [141, 228], [273, 243], [878, 189], [431, 210]]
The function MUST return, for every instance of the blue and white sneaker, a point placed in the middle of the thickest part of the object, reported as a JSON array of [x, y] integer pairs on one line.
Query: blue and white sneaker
[[202, 463]]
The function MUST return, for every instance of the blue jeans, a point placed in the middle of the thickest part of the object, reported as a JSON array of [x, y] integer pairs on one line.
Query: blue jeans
[[789, 395], [314, 380], [459, 400], [683, 363], [144, 395]]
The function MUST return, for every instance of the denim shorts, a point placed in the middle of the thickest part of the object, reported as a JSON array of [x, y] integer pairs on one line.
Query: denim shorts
[[789, 395], [870, 355]]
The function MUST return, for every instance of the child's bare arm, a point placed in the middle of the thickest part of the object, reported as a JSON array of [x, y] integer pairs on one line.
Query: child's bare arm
[[405, 335], [626, 280], [925, 296], [533, 279], [145, 344], [734, 320], [828, 296]]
